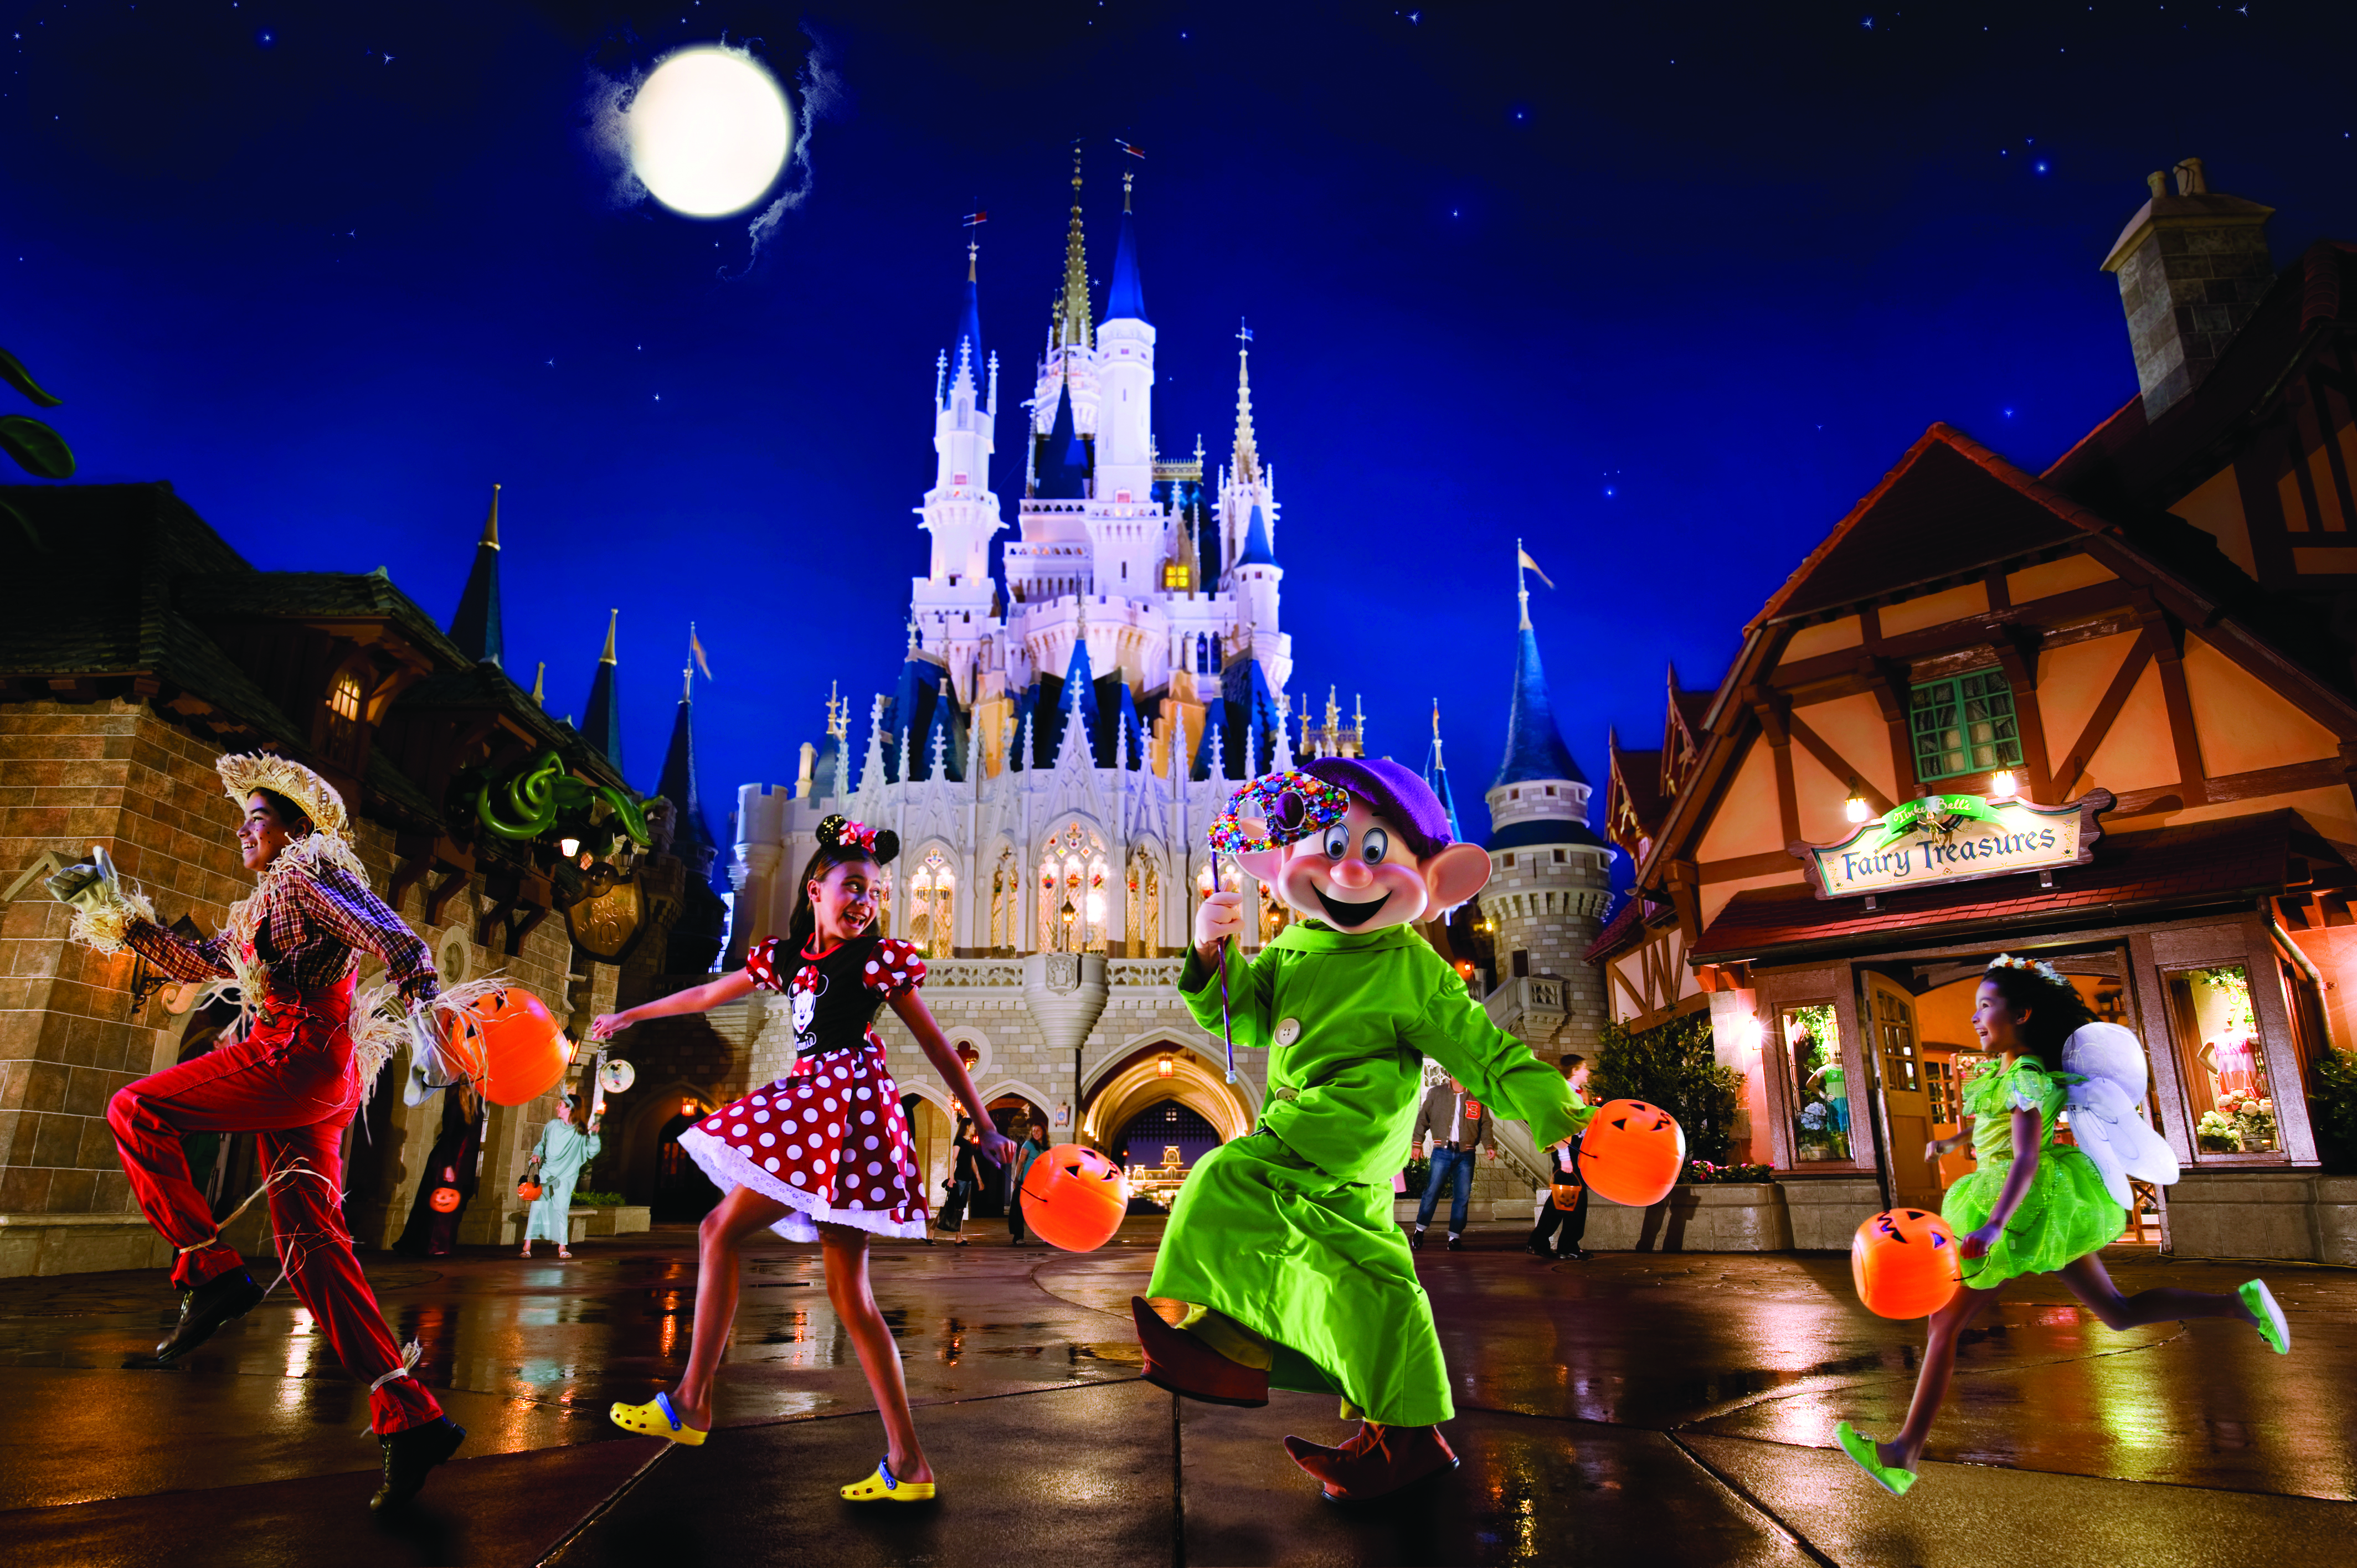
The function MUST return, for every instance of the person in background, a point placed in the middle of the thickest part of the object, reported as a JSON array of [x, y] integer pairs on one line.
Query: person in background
[[557, 1162], [1573, 1222], [1456, 1124], [961, 1183], [434, 1233], [1033, 1147]]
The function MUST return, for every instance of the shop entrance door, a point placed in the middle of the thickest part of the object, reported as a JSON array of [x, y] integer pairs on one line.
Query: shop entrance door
[[1907, 1109]]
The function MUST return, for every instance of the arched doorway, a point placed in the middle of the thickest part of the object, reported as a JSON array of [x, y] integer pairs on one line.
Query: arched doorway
[[1159, 1071], [682, 1192], [1146, 1137]]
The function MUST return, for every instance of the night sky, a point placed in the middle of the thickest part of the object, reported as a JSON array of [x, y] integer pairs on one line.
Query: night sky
[[1661, 289]]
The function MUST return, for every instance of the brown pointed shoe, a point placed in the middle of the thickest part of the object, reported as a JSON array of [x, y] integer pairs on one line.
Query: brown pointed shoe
[[1176, 1361], [1398, 1456], [1310, 1456]]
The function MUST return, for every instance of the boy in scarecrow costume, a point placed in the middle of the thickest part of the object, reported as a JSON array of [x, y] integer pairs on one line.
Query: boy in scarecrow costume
[[306, 1057], [1282, 1266]]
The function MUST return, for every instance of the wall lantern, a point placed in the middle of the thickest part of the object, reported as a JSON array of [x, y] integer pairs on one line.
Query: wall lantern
[[1164, 1067], [1857, 810], [2004, 786], [568, 848], [689, 1108]]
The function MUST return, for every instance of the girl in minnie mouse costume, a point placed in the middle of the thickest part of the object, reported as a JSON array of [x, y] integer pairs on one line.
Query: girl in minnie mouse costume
[[822, 1154]]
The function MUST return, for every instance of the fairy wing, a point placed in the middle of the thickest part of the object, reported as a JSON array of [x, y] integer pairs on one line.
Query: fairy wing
[[2107, 1110]]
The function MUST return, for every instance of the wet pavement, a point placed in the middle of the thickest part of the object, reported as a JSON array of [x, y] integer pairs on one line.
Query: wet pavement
[[1659, 1409]]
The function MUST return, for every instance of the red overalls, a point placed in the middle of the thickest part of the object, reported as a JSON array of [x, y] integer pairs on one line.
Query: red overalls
[[290, 1081]]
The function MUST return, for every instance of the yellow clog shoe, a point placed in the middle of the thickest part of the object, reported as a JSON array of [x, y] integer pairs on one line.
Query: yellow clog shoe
[[656, 1419], [883, 1486]]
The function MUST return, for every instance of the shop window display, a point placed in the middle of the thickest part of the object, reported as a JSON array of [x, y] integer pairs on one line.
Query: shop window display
[[2216, 1031], [1820, 1086]]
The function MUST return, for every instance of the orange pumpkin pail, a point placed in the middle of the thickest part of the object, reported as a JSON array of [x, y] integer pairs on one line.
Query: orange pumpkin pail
[[1905, 1263], [1633, 1152], [1074, 1197]]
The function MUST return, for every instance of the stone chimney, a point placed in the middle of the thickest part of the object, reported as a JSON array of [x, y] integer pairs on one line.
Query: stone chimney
[[2192, 265]]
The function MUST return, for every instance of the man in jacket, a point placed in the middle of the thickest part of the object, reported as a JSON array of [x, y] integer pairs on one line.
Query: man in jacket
[[1451, 1125]]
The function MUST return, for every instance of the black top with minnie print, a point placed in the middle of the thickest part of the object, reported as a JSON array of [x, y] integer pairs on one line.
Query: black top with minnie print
[[834, 994]]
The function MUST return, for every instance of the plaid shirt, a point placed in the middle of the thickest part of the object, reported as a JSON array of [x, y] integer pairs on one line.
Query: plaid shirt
[[308, 929]]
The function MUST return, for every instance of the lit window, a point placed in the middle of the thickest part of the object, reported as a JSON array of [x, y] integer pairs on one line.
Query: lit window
[[1965, 725]]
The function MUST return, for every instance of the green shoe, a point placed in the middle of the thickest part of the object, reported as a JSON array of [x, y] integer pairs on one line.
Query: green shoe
[[2272, 1327], [1860, 1448]]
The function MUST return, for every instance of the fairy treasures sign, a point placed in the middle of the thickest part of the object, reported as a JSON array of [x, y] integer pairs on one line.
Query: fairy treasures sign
[[1955, 838]]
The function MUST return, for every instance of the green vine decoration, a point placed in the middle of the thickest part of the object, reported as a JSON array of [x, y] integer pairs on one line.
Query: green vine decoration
[[526, 804]]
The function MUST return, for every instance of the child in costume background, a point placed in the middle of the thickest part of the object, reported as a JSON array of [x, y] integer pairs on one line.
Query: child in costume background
[[2033, 1205], [1282, 1266], [556, 1163], [824, 1153]]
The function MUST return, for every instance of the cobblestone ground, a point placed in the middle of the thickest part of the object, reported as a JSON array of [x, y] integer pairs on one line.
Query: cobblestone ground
[[1631, 1409]]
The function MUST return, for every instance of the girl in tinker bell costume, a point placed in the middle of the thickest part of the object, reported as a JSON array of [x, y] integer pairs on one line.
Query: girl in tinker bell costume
[[2037, 1207]]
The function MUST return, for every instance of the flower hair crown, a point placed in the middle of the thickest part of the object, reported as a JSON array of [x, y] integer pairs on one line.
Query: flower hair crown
[[839, 832], [2045, 972]]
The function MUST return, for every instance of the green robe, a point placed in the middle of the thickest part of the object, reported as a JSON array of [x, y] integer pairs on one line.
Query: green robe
[[564, 1149], [1289, 1230]]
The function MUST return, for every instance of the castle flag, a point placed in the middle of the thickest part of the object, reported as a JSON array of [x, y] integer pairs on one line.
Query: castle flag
[[1522, 558]]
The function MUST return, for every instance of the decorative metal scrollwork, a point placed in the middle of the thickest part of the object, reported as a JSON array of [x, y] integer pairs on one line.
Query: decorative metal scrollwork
[[527, 803]]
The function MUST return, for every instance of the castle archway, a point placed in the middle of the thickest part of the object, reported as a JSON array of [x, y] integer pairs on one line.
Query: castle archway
[[1140, 1080]]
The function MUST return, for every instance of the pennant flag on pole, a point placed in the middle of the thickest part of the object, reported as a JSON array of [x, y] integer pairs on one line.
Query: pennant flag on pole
[[1125, 147], [971, 219], [697, 648], [1522, 558]]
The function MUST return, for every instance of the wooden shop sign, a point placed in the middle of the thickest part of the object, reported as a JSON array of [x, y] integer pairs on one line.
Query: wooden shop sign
[[1955, 838]]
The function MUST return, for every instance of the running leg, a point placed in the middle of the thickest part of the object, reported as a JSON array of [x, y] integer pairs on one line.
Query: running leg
[[2091, 1284], [1948, 1325], [720, 1241]]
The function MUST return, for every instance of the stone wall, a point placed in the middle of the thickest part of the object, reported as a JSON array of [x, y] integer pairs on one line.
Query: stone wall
[[119, 774]]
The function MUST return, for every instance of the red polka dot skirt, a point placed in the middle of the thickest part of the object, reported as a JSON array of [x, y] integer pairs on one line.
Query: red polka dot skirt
[[828, 1141]]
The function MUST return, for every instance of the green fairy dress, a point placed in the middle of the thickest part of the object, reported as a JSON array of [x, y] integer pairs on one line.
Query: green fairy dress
[[2066, 1213]]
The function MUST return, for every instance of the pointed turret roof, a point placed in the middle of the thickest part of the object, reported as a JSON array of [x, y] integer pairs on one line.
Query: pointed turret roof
[[678, 782], [1064, 460], [966, 349], [601, 720], [1125, 300], [1534, 747], [475, 626], [1436, 777], [1072, 325], [1256, 550]]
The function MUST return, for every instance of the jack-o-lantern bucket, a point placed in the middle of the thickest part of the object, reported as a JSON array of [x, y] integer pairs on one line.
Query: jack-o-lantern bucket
[[444, 1200], [1905, 1263], [509, 1043], [1633, 1152], [1074, 1197]]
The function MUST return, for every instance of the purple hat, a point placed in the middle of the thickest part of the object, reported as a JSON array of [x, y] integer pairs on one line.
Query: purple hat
[[1395, 793]]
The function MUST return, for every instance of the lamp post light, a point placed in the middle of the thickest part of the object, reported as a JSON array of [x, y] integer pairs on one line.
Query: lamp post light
[[1071, 915]]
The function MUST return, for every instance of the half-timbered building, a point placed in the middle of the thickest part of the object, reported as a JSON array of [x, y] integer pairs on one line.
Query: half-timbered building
[[2104, 714]]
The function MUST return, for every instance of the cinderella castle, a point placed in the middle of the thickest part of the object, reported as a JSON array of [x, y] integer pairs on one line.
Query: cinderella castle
[[1062, 734]]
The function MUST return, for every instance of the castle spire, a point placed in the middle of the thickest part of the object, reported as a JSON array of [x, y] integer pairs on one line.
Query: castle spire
[[1072, 320], [692, 839], [602, 718], [475, 626], [1436, 776], [1125, 300], [1247, 458], [1534, 747]]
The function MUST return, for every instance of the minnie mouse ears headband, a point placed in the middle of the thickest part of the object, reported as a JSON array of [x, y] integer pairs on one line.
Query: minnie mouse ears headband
[[839, 832]]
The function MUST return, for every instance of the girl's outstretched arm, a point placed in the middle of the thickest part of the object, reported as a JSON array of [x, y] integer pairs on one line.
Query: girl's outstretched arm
[[695, 999], [995, 1145]]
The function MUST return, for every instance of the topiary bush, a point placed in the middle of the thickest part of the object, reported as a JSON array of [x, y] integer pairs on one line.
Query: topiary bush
[[1672, 1066]]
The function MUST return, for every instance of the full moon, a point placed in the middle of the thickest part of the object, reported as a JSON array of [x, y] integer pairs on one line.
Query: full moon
[[708, 132]]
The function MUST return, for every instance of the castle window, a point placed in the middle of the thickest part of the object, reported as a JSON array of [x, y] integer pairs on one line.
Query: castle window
[[1522, 964], [1513, 794], [1509, 860], [1558, 855], [1550, 788], [931, 891], [1963, 725]]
